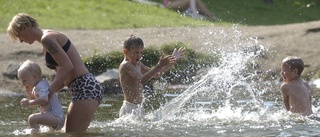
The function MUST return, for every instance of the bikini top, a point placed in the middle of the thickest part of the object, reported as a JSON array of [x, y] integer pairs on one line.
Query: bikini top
[[50, 62]]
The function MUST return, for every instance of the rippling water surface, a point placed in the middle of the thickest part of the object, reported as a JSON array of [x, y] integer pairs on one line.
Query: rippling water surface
[[231, 99]]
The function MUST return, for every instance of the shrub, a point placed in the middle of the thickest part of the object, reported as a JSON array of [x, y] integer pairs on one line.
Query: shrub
[[186, 68], [99, 63], [182, 73], [151, 56]]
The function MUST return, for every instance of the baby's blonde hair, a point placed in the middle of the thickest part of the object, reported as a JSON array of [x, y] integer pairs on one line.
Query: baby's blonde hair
[[30, 67], [20, 22]]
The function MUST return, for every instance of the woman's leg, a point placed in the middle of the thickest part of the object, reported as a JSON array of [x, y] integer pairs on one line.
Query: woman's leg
[[80, 114], [204, 10], [178, 5]]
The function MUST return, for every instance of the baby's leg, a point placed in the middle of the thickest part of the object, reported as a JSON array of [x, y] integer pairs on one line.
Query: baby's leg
[[45, 118]]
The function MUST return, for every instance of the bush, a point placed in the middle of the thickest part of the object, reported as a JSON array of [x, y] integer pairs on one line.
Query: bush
[[98, 64], [182, 73], [151, 56], [186, 68]]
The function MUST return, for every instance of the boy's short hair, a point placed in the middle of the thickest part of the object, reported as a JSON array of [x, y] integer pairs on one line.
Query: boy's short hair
[[133, 41], [30, 67], [18, 23], [294, 63]]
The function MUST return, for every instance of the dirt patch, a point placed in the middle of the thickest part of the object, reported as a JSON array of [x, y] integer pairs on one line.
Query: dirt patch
[[300, 39]]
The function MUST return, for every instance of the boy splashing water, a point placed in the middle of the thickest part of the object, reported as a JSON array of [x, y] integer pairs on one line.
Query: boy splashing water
[[134, 74]]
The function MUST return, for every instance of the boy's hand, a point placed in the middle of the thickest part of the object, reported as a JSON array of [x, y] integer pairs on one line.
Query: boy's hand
[[178, 53], [168, 60], [24, 102]]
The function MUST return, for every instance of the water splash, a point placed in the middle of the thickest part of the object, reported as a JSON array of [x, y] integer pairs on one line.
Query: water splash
[[233, 92], [230, 99], [231, 83]]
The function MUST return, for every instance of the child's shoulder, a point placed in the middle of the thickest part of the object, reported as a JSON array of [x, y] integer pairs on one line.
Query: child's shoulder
[[285, 86], [127, 65]]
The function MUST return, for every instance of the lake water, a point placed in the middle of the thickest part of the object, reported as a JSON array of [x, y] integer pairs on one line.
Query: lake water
[[232, 99]]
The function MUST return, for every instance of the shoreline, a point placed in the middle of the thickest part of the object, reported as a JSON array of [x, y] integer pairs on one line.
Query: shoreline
[[281, 41]]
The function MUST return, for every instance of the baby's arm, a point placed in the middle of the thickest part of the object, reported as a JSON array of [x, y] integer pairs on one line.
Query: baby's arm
[[29, 93], [42, 93], [33, 102]]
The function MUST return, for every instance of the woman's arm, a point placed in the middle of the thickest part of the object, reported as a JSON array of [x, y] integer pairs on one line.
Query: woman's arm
[[64, 67]]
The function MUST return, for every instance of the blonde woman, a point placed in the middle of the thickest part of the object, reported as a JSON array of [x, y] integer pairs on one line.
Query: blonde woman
[[62, 56]]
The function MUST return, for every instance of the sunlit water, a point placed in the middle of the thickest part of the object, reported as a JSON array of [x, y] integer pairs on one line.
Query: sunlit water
[[231, 99]]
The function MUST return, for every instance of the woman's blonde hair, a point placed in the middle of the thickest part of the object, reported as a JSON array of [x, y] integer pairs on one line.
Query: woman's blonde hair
[[30, 67], [20, 22]]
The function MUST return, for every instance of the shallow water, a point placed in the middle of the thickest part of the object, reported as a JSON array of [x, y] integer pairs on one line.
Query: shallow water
[[201, 119], [229, 100]]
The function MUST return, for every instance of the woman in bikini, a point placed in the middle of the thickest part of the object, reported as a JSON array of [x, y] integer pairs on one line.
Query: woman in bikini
[[194, 6], [62, 56]]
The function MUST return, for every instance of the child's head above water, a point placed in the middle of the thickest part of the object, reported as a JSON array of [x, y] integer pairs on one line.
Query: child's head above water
[[29, 73], [294, 63], [133, 42]]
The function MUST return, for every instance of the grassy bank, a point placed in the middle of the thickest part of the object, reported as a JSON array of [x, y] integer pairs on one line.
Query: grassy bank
[[93, 14], [257, 12], [116, 14]]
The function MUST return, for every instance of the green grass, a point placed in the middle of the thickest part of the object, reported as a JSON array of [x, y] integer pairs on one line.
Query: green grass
[[93, 14], [117, 14], [256, 12]]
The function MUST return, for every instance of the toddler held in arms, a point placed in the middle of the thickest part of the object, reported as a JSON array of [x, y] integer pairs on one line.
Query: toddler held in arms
[[51, 112]]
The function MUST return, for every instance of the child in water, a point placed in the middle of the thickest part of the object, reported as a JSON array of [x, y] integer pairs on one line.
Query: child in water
[[296, 92], [51, 112], [133, 74]]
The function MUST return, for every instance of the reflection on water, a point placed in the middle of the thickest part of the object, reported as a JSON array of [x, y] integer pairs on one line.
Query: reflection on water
[[230, 100]]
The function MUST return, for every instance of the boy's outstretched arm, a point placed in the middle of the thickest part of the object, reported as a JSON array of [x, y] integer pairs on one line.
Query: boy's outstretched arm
[[163, 62], [177, 54]]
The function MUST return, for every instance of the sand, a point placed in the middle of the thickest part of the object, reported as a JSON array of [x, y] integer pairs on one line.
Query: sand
[[301, 39]]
